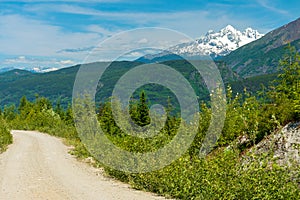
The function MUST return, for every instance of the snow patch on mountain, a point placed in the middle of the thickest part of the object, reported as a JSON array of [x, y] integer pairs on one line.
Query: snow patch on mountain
[[43, 70]]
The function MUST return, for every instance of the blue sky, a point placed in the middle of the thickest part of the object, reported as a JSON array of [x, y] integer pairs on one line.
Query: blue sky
[[55, 34]]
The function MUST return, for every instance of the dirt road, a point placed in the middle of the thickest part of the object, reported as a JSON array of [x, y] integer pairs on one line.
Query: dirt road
[[38, 166]]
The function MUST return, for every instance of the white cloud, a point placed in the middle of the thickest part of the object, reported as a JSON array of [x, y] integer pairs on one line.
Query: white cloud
[[23, 36], [66, 62], [20, 59], [131, 43], [194, 23], [94, 28], [143, 41], [269, 5]]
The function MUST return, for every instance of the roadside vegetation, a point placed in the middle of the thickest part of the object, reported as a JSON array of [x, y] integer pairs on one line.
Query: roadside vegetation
[[222, 174], [5, 136]]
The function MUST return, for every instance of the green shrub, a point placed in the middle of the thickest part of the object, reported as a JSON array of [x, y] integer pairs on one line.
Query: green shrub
[[5, 136]]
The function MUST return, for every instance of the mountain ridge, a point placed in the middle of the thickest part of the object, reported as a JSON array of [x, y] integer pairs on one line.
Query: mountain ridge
[[263, 55], [212, 44]]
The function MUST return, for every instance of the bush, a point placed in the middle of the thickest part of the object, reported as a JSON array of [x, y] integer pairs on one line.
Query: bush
[[5, 136]]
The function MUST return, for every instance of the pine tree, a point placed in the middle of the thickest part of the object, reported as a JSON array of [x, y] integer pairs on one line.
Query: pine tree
[[23, 104], [59, 110], [171, 120], [143, 110], [133, 110], [42, 103], [68, 117], [9, 112], [24, 107]]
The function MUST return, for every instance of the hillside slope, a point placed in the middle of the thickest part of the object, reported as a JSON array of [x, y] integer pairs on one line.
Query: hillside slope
[[262, 56], [59, 84]]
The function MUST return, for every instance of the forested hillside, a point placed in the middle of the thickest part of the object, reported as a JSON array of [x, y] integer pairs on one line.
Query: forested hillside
[[222, 174], [59, 84]]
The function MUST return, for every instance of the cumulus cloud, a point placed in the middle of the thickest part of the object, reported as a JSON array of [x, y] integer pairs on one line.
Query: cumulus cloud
[[22, 35], [192, 22]]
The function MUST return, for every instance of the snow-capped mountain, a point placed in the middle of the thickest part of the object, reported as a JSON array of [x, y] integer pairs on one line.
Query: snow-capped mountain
[[219, 43]]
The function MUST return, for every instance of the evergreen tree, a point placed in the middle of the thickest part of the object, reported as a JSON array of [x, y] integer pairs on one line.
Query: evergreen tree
[[170, 125], [59, 110], [133, 110], [24, 108], [9, 112], [68, 117], [143, 110], [23, 104]]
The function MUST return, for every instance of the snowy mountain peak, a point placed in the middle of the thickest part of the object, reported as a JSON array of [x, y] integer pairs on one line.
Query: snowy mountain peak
[[250, 33], [229, 28], [219, 43], [210, 32]]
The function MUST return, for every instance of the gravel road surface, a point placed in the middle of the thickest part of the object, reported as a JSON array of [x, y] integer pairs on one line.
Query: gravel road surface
[[38, 166]]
